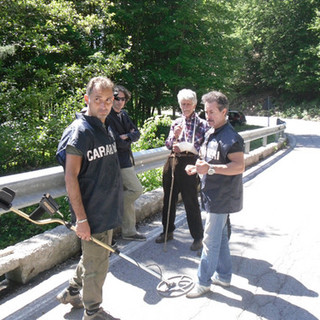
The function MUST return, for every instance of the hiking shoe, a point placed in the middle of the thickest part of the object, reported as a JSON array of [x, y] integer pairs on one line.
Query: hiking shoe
[[65, 297], [99, 315], [135, 237], [196, 245], [198, 291], [221, 283], [160, 238]]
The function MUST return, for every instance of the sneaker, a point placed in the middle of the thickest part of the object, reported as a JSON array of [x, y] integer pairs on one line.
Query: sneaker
[[198, 291], [196, 245], [99, 315], [220, 283], [65, 297], [160, 238], [135, 237]]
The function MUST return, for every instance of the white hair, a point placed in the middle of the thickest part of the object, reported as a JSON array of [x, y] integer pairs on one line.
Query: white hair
[[187, 94]]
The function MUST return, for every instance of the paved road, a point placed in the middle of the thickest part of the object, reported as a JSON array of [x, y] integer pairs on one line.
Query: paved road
[[275, 250]]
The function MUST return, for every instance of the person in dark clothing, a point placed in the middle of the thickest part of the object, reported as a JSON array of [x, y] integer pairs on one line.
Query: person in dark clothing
[[126, 133], [184, 140], [87, 151], [221, 192]]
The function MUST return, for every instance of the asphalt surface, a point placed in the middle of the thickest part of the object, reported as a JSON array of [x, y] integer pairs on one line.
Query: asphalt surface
[[274, 245]]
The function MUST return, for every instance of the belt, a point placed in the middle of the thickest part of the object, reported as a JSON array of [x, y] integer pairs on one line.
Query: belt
[[183, 154]]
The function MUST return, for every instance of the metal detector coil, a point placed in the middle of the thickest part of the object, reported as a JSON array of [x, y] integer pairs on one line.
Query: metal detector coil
[[172, 287], [175, 286]]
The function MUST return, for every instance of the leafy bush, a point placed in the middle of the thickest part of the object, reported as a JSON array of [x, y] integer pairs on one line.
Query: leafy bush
[[35, 145], [153, 135], [303, 111], [151, 179]]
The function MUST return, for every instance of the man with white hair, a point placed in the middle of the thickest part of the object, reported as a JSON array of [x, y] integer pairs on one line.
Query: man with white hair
[[184, 140]]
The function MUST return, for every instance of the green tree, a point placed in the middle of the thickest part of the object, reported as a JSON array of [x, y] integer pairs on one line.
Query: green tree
[[281, 47], [175, 44], [48, 52]]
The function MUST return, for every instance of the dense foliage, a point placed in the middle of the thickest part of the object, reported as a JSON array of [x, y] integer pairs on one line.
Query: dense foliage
[[283, 46], [249, 49], [153, 135], [175, 44], [49, 50]]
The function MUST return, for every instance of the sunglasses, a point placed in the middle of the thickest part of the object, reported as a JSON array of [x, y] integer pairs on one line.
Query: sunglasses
[[120, 99]]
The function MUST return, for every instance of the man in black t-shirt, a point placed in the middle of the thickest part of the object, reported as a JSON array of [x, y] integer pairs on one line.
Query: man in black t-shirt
[[221, 170]]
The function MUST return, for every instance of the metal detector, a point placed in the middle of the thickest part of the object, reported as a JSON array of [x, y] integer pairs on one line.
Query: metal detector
[[172, 287]]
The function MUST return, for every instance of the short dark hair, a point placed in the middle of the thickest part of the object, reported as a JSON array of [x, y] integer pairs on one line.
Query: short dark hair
[[118, 88], [216, 96]]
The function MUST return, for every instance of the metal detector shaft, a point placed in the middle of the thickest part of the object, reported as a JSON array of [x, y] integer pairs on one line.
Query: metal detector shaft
[[104, 245], [40, 222], [100, 243], [142, 266]]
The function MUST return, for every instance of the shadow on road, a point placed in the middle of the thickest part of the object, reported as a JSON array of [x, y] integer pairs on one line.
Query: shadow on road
[[260, 274], [174, 262], [307, 141]]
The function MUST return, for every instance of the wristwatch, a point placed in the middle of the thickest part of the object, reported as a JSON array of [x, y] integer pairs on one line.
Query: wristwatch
[[211, 170]]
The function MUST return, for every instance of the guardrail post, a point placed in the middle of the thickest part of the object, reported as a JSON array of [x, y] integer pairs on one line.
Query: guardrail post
[[247, 147], [264, 141]]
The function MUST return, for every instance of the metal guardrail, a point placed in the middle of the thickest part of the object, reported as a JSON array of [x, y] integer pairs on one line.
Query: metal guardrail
[[251, 135], [30, 186]]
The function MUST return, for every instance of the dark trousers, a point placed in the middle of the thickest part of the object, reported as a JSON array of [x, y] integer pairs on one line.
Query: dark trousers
[[188, 187]]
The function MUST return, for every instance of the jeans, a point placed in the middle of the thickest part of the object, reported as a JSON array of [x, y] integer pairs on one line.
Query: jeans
[[215, 258]]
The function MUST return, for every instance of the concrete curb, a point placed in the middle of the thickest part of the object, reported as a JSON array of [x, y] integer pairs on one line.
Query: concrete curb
[[27, 259]]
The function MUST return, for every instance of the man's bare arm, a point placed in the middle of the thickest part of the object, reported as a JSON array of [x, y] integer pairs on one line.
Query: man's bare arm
[[72, 169]]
